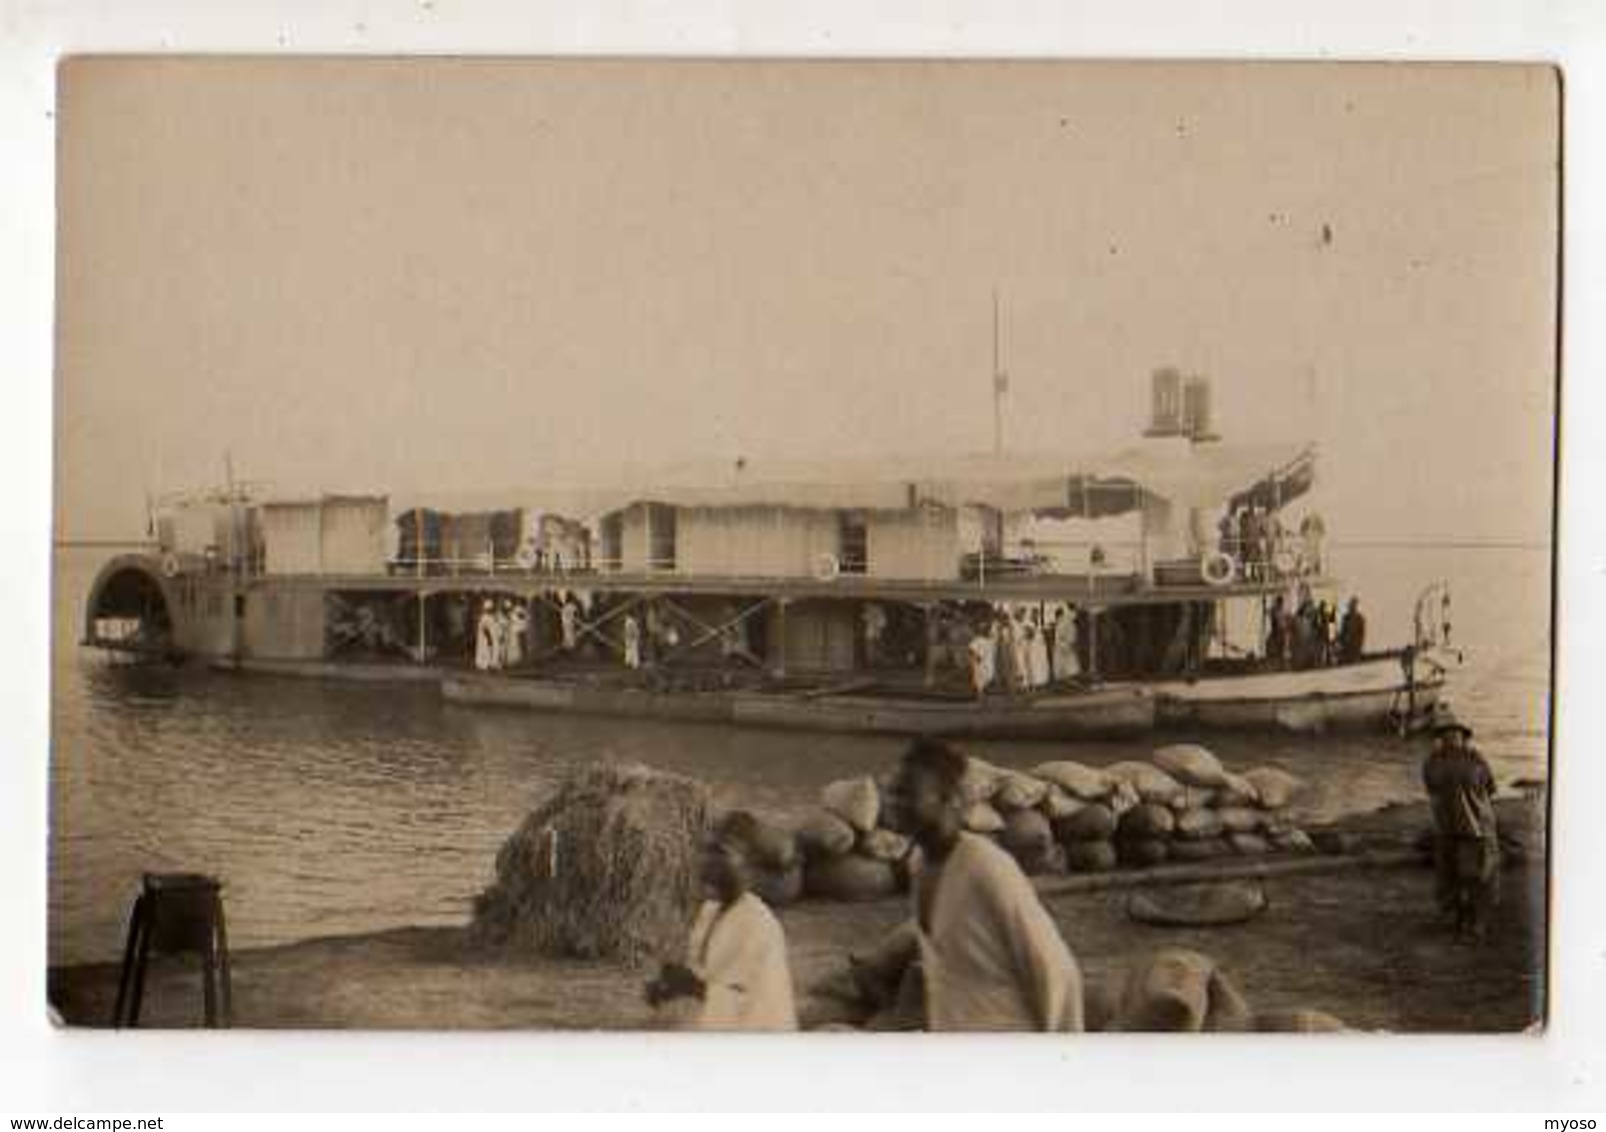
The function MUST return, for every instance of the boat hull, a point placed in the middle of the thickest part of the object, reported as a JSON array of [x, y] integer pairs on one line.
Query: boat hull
[[1369, 696], [1116, 713]]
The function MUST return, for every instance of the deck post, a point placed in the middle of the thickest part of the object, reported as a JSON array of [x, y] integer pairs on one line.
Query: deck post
[[778, 649], [1093, 644], [423, 633], [931, 645]]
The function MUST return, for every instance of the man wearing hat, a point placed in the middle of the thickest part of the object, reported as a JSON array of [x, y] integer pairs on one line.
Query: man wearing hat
[[1466, 846]]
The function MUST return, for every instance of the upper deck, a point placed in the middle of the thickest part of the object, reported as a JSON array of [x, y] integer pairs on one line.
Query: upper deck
[[1107, 590]]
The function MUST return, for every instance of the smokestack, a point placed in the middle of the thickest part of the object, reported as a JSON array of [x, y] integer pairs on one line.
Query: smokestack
[[1196, 411], [1165, 417]]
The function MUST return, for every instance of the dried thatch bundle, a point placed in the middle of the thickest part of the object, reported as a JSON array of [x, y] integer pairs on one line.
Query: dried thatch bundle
[[607, 867]]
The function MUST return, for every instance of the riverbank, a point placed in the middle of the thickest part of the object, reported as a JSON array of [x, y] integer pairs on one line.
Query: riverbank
[[1363, 944]]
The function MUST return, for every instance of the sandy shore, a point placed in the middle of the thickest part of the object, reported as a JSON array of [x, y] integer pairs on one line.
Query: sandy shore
[[1365, 945]]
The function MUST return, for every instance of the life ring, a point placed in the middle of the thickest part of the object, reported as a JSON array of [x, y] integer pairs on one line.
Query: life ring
[[526, 557], [826, 567], [1285, 561], [171, 565], [1218, 569]]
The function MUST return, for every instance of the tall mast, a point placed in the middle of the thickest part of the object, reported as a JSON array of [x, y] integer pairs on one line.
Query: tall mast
[[1000, 386]]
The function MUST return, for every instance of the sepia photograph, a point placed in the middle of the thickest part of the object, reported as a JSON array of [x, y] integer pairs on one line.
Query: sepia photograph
[[788, 546]]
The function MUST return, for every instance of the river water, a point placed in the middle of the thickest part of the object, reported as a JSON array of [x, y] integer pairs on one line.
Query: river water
[[333, 808]]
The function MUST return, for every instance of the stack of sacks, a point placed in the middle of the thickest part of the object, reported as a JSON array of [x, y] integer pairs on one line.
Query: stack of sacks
[[845, 855], [1084, 805], [1060, 816], [1143, 834], [1023, 803], [777, 865], [1191, 808], [1218, 813]]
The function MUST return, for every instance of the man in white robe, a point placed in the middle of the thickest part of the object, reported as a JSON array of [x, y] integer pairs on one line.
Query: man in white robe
[[983, 650], [518, 634], [569, 616], [735, 976], [1066, 666], [486, 643], [1036, 655], [504, 633], [632, 632], [991, 956]]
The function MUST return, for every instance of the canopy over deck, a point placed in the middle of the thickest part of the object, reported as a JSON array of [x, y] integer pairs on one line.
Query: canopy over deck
[[1183, 475]]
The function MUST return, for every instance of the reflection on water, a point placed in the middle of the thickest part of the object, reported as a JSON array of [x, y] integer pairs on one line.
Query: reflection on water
[[335, 808]]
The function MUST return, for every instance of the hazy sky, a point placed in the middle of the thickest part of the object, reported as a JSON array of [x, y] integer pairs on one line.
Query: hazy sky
[[395, 274]]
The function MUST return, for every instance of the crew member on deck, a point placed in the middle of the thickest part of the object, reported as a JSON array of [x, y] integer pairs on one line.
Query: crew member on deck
[[1312, 536], [504, 632], [569, 623], [518, 633], [1066, 666], [983, 653], [632, 641], [1352, 633], [486, 644], [1277, 633], [1037, 663]]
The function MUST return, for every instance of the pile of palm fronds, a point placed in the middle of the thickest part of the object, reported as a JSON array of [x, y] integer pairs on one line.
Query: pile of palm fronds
[[607, 867]]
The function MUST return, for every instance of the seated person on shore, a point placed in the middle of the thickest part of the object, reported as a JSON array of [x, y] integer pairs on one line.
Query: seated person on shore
[[735, 976], [1466, 849], [990, 954]]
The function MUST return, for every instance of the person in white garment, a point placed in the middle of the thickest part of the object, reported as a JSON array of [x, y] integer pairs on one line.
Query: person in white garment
[[1037, 654], [991, 956], [569, 621], [504, 632], [735, 975], [1066, 666], [486, 644], [982, 650], [518, 634], [632, 633]]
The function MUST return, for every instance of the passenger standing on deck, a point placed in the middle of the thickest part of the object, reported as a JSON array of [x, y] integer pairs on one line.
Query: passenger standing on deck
[[1466, 849], [1004, 652], [982, 652], [1022, 649], [1227, 529], [1352, 633], [1329, 633], [569, 623], [486, 645], [632, 641], [1249, 541], [991, 957], [1276, 633], [518, 632], [1066, 665], [875, 627], [504, 632], [1312, 536], [1037, 654]]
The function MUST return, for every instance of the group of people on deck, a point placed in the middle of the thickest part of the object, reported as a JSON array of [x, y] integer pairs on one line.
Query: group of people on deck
[[988, 955], [1023, 651], [1265, 549], [1302, 632], [501, 635]]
